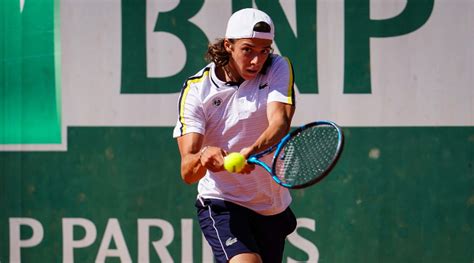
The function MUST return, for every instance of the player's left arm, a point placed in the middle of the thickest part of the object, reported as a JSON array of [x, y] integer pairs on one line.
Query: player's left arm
[[279, 117], [280, 106]]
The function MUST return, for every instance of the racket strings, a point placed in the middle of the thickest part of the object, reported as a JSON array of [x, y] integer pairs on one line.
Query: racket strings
[[307, 156]]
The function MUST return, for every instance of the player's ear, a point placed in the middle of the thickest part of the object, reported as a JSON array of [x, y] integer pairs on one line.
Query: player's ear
[[228, 45]]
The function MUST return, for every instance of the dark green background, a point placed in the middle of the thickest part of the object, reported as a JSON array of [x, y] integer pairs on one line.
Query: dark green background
[[414, 203]]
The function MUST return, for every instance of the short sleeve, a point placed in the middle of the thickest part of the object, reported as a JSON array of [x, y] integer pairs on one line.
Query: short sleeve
[[281, 81], [190, 112]]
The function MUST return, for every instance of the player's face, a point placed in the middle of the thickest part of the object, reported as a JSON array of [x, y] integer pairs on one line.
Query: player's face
[[248, 55]]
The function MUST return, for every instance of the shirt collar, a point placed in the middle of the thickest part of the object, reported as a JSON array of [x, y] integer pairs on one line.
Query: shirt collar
[[219, 83]]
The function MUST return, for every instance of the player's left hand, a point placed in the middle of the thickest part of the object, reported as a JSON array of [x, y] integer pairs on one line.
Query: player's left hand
[[249, 167]]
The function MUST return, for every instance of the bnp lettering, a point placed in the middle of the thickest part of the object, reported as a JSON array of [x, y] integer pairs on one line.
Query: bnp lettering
[[300, 46]]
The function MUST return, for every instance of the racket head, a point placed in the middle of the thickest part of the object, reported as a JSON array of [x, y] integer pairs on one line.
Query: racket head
[[307, 154]]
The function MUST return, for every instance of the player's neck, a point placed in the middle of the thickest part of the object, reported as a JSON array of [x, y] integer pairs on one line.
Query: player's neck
[[230, 74]]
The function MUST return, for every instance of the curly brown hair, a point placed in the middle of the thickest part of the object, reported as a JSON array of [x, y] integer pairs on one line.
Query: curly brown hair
[[216, 53]]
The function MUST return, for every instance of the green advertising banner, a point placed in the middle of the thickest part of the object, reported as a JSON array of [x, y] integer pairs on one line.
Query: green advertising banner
[[89, 171], [30, 111]]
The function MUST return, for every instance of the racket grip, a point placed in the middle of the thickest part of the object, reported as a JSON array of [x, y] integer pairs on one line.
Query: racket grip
[[252, 159]]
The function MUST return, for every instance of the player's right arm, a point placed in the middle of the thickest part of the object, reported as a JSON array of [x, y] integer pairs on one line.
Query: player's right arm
[[189, 147], [196, 160]]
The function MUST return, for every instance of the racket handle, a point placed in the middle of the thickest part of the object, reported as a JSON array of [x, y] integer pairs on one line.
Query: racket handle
[[252, 159]]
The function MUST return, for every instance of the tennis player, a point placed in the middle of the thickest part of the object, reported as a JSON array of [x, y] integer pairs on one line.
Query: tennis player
[[243, 101]]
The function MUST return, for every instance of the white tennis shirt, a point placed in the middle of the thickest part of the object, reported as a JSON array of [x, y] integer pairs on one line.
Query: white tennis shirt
[[233, 117]]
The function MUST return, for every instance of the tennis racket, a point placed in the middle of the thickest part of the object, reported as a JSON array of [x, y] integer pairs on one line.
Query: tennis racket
[[304, 156]]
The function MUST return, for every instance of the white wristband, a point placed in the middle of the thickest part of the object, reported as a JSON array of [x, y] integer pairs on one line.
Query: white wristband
[[202, 151]]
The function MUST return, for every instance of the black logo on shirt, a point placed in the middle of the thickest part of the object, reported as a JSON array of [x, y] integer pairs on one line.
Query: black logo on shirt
[[217, 102], [262, 86]]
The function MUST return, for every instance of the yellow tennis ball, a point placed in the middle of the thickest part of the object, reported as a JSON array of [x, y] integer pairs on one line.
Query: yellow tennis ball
[[234, 162]]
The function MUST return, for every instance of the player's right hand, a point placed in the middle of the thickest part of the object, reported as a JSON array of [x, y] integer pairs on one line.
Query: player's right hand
[[213, 158]]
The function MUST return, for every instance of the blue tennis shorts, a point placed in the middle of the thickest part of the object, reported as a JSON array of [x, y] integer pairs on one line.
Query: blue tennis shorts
[[231, 229]]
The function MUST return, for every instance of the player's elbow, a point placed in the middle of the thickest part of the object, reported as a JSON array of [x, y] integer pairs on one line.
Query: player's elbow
[[187, 179], [192, 172]]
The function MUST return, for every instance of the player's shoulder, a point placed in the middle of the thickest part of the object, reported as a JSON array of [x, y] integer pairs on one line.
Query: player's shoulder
[[199, 76], [279, 59], [199, 80], [276, 63]]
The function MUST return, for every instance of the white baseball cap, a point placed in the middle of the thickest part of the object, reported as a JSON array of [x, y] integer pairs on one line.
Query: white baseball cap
[[242, 22]]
